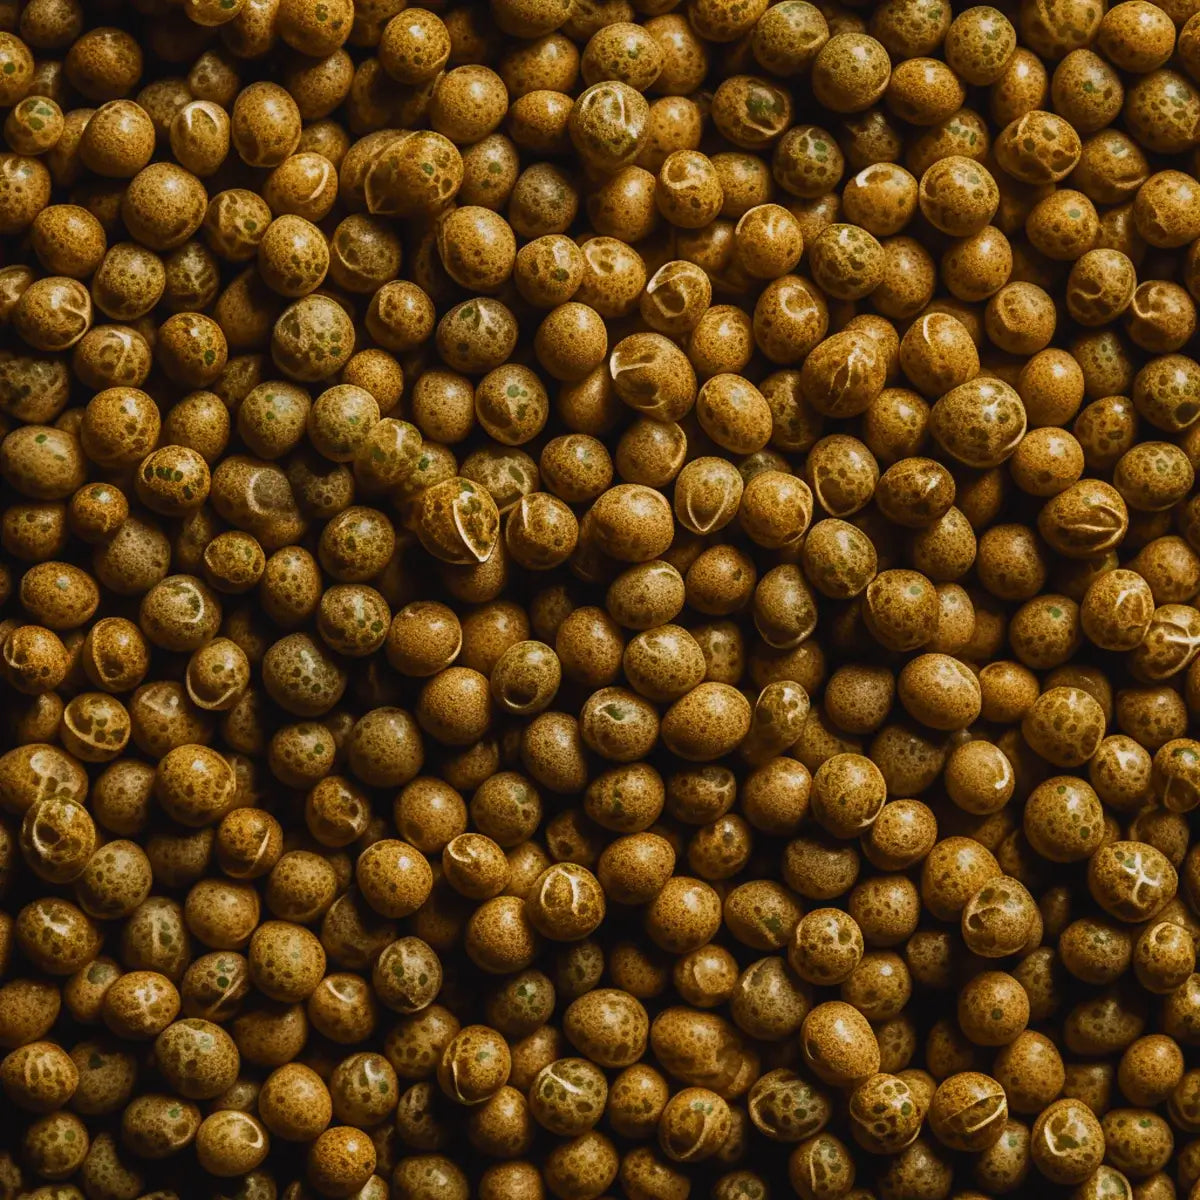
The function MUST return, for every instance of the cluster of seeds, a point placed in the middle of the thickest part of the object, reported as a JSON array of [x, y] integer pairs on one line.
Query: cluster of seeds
[[599, 599]]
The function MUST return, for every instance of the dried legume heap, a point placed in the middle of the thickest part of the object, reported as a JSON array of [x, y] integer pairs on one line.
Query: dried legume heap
[[600, 599]]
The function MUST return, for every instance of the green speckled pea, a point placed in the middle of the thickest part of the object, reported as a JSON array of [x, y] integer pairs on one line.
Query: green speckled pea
[[885, 1114], [39, 1077], [1130, 880], [197, 1058]]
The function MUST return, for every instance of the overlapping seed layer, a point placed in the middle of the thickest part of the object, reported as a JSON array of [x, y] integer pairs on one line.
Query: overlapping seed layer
[[599, 599]]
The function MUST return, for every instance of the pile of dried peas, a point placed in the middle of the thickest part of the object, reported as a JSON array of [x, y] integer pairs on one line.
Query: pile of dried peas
[[598, 599]]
